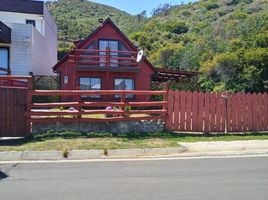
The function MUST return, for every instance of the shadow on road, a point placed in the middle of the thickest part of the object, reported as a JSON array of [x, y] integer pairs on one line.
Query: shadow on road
[[2, 175]]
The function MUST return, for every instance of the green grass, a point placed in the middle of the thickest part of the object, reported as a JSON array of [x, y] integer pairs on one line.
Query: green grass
[[86, 141]]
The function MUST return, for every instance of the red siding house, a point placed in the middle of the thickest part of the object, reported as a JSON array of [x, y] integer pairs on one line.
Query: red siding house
[[105, 60]]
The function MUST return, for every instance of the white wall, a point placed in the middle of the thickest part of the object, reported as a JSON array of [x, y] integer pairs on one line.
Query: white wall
[[20, 18], [20, 52], [41, 54], [44, 48]]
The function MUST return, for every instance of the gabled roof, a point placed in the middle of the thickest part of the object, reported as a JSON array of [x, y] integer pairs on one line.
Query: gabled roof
[[107, 21], [22, 6]]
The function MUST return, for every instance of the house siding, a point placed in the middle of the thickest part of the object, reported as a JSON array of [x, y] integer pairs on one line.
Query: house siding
[[20, 53], [44, 48], [40, 55]]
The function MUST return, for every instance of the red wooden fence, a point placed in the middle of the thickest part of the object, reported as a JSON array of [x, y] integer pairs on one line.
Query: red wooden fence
[[211, 112], [84, 111], [13, 102]]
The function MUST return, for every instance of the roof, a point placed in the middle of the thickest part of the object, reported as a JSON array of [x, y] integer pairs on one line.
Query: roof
[[22, 6], [82, 42]]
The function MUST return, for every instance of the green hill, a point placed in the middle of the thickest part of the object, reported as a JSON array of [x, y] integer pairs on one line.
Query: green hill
[[75, 19], [226, 40]]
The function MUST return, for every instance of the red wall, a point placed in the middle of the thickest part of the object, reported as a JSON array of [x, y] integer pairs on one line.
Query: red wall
[[142, 79]]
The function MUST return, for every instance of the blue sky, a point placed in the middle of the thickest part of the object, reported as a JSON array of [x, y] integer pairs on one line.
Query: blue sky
[[137, 6]]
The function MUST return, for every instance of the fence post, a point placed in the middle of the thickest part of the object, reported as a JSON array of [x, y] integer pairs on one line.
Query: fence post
[[28, 104], [123, 107], [165, 107], [78, 100]]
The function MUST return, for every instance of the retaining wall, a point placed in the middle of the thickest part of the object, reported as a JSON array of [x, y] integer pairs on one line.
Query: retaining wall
[[101, 127]]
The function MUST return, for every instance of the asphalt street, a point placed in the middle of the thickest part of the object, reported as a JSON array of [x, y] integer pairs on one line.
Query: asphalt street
[[204, 179]]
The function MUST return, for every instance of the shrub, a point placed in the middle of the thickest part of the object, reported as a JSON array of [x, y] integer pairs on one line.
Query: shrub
[[177, 27], [212, 5], [232, 2]]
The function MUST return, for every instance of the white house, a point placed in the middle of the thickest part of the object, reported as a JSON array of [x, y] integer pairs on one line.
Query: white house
[[28, 38]]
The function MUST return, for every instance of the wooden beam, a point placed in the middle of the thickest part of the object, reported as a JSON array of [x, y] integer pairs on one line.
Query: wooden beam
[[93, 92], [99, 104], [88, 120]]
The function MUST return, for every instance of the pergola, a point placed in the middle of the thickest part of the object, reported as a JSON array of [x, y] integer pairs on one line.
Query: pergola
[[176, 76]]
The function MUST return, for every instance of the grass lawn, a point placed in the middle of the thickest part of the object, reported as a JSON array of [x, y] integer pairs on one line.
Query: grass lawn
[[85, 141]]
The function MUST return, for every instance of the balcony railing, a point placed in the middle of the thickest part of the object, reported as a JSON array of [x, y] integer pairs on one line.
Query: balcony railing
[[103, 58]]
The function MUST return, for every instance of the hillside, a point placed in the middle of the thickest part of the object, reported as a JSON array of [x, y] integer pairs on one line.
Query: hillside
[[226, 40], [75, 19]]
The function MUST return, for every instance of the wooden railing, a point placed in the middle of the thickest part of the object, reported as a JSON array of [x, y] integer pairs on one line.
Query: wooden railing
[[103, 58], [80, 111], [16, 81]]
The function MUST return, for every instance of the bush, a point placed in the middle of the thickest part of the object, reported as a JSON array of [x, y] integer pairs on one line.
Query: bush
[[232, 2], [212, 5], [177, 27]]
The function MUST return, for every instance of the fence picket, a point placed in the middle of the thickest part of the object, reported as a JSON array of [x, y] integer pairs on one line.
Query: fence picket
[[243, 112], [254, 112], [218, 113], [213, 113], [182, 110], [260, 112], [201, 105], [169, 121], [176, 110], [189, 101], [265, 110], [195, 112], [207, 112]]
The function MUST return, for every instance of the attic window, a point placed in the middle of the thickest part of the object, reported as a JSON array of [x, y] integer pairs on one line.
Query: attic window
[[29, 21]]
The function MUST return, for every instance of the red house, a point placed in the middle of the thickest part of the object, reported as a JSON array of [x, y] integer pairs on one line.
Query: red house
[[105, 60]]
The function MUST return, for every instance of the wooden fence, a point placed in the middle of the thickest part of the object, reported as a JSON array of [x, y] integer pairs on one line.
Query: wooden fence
[[85, 111], [182, 111], [13, 103], [214, 112]]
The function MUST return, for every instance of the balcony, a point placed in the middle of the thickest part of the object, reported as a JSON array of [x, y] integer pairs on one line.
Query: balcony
[[104, 60], [5, 33]]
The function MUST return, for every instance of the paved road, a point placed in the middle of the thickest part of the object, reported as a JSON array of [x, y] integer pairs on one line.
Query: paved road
[[204, 179]]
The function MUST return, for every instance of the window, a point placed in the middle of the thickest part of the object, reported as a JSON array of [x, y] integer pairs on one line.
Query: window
[[65, 79], [90, 83], [124, 84], [4, 61], [29, 21], [113, 46]]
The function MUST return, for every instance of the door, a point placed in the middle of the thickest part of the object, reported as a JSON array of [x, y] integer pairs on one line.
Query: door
[[12, 112], [112, 45]]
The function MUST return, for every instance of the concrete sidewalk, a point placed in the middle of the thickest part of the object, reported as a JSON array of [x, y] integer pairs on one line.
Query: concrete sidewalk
[[221, 146]]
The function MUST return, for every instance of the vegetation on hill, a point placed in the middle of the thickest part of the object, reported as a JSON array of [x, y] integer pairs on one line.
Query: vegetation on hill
[[76, 19], [226, 40]]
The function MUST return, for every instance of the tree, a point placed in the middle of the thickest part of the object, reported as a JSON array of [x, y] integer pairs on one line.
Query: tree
[[161, 9], [142, 15]]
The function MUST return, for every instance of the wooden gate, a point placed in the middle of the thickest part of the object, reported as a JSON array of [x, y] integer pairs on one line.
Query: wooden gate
[[214, 112], [13, 104]]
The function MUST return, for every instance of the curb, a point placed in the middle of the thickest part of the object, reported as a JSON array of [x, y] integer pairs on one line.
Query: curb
[[87, 154]]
